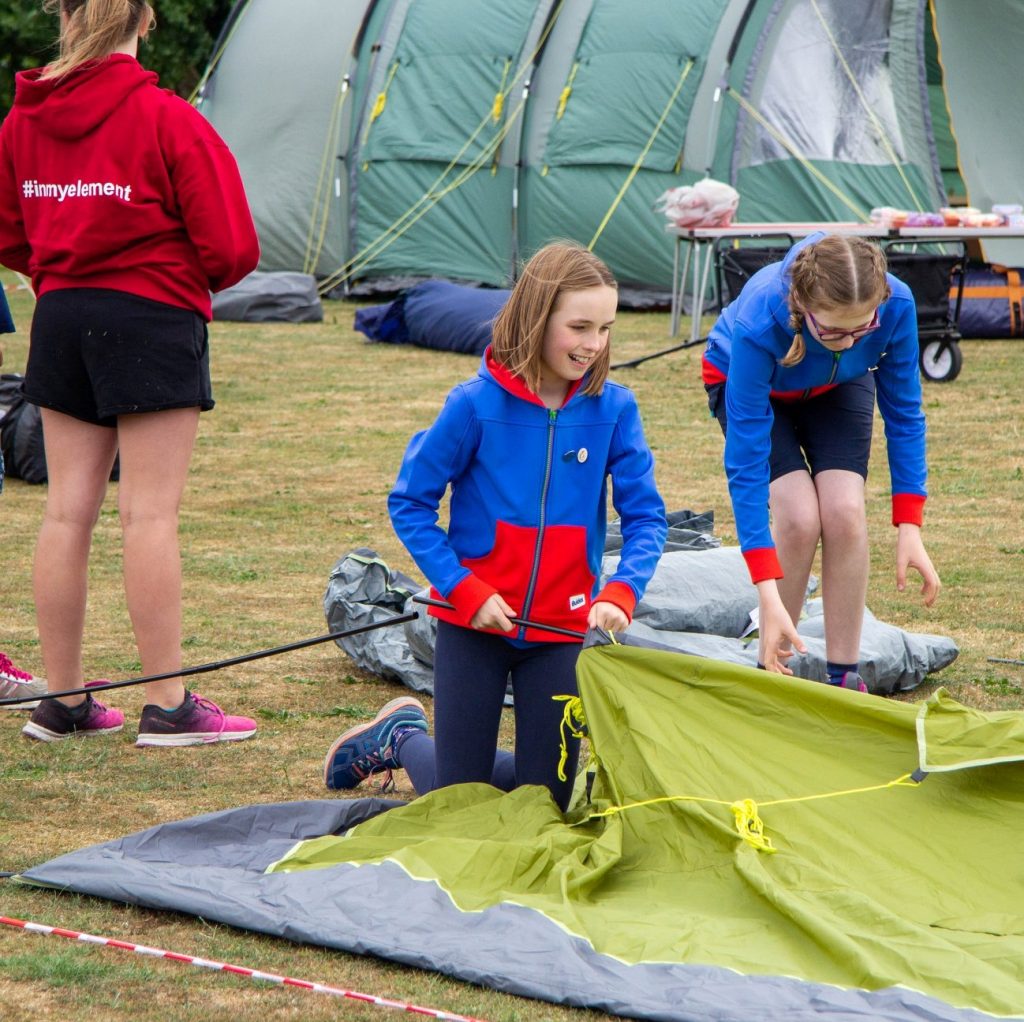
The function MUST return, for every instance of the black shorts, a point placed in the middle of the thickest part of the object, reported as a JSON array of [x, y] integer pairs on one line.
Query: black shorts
[[832, 430], [96, 354]]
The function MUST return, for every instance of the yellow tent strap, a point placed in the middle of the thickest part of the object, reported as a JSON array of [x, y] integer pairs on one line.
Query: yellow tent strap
[[347, 268], [643, 154], [563, 99], [215, 59], [497, 109], [867, 106], [385, 240], [381, 101], [499, 98], [320, 213], [791, 149], [745, 811]]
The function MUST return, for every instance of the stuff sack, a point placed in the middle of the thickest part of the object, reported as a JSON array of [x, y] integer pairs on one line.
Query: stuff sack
[[436, 314], [993, 302]]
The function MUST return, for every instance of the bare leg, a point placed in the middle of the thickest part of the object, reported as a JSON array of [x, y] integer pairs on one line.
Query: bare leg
[[155, 451], [796, 528], [79, 457], [844, 561]]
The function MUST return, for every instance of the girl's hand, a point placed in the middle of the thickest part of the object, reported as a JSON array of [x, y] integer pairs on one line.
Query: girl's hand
[[775, 629], [607, 616], [910, 553], [495, 613]]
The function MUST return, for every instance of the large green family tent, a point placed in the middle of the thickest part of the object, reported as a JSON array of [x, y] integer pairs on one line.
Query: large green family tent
[[382, 140], [755, 848]]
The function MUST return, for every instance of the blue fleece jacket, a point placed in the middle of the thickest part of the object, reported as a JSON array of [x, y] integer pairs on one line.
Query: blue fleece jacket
[[528, 498], [745, 348]]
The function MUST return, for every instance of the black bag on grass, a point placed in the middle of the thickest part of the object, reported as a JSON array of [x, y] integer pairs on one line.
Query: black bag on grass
[[21, 433]]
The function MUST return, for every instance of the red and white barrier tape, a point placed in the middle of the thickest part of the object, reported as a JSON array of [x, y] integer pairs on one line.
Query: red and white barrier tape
[[238, 970]]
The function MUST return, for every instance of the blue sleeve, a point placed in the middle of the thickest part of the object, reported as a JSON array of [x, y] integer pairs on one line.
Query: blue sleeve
[[434, 458], [748, 440], [898, 390], [636, 499]]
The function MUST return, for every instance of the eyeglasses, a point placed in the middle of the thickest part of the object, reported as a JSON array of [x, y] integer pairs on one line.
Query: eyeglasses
[[829, 333]]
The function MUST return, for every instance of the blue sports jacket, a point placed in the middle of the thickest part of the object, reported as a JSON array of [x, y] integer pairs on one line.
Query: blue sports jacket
[[745, 347], [528, 501]]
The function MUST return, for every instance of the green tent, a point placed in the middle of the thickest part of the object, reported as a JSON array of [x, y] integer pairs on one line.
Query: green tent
[[387, 140], [755, 847]]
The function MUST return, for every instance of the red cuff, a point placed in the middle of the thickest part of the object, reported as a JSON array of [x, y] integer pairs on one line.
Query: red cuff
[[467, 598], [908, 508], [621, 595], [762, 563]]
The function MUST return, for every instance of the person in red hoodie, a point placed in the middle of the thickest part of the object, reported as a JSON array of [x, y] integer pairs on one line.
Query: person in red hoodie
[[126, 209]]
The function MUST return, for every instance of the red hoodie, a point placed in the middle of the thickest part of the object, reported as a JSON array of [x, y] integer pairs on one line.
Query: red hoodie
[[108, 181]]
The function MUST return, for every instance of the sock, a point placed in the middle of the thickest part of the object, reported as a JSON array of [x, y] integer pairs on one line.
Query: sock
[[399, 735], [836, 672]]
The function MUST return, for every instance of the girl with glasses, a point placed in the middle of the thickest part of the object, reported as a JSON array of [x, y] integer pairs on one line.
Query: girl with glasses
[[792, 369]]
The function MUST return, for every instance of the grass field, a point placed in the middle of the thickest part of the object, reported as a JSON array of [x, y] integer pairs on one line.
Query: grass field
[[290, 473]]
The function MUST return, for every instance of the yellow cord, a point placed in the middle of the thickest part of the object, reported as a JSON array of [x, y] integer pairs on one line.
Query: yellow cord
[[791, 149], [643, 155], [563, 98], [574, 721], [745, 811], [430, 198], [867, 106], [215, 59]]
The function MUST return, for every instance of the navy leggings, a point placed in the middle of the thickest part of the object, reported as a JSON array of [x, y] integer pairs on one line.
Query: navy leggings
[[471, 671]]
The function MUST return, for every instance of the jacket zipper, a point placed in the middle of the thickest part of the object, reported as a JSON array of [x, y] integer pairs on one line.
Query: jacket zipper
[[835, 370], [528, 602]]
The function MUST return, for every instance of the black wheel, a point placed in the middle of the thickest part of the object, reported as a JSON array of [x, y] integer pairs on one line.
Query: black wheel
[[941, 361]]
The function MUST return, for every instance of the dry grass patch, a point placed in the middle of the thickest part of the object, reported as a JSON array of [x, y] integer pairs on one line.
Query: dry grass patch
[[290, 473]]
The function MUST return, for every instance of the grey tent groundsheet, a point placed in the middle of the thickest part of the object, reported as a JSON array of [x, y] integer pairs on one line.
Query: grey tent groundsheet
[[700, 601], [855, 913], [261, 297]]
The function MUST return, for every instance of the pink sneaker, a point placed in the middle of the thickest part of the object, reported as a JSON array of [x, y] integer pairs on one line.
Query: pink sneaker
[[196, 722], [52, 721], [17, 684]]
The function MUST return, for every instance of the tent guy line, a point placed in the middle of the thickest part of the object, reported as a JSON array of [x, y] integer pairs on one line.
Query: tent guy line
[[238, 970]]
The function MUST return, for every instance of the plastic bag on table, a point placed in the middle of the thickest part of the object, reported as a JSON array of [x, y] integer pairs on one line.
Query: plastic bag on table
[[708, 203]]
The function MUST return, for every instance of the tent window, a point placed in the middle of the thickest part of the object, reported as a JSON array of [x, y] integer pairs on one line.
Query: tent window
[[804, 89]]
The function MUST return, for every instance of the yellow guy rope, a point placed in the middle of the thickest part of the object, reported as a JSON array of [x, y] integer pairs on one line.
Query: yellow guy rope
[[215, 59], [791, 149], [429, 197], [320, 213], [464, 175], [745, 811], [867, 106], [643, 155]]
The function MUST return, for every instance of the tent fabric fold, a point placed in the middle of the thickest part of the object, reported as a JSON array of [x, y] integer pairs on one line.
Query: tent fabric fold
[[883, 899]]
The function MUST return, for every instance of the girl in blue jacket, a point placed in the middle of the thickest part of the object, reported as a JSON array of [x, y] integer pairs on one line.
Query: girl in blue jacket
[[526, 447], [792, 368]]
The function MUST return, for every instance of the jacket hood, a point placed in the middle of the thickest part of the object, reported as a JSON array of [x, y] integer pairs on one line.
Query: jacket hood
[[76, 104]]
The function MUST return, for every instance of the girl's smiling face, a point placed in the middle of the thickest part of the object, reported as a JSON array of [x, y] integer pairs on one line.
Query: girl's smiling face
[[577, 331]]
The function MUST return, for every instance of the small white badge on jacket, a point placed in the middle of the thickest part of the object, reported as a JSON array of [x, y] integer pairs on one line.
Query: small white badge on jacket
[[575, 602], [581, 455]]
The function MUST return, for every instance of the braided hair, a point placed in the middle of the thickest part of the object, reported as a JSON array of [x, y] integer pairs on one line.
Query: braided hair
[[833, 273]]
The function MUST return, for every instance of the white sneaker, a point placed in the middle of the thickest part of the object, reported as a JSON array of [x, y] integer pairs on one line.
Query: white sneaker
[[17, 684]]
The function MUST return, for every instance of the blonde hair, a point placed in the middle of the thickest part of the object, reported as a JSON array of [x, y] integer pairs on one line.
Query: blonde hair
[[519, 328], [834, 273], [92, 29]]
